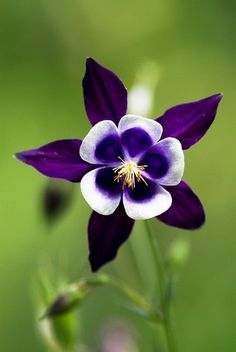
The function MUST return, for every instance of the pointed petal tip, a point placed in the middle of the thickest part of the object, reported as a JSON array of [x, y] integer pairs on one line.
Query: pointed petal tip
[[20, 156], [217, 96], [90, 65], [214, 100], [220, 96], [94, 266], [90, 60], [97, 265]]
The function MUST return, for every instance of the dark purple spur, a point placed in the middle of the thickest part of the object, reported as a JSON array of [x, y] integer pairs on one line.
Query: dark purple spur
[[130, 167]]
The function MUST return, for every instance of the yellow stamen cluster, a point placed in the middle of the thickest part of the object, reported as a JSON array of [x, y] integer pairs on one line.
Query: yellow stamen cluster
[[129, 172]]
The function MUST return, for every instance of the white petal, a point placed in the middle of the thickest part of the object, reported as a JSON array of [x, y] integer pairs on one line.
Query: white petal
[[175, 155], [154, 206], [99, 200], [96, 134], [153, 128]]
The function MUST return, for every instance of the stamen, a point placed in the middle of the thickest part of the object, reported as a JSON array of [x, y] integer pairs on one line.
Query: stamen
[[129, 172]]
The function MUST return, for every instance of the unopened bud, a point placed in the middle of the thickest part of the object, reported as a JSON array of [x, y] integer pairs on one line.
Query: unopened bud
[[178, 254], [57, 198], [68, 300]]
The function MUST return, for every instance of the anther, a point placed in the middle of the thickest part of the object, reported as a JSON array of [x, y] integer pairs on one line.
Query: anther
[[129, 172]]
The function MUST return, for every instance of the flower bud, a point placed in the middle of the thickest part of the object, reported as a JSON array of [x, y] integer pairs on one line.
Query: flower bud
[[69, 299], [177, 254], [57, 198]]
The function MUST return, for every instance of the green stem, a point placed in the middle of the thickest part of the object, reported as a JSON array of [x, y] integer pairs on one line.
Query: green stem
[[137, 299], [135, 262], [162, 288]]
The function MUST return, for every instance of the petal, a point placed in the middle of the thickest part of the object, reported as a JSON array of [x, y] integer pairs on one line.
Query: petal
[[106, 235], [165, 162], [100, 191], [138, 133], [146, 201], [59, 159], [102, 144], [189, 122], [105, 96], [186, 211]]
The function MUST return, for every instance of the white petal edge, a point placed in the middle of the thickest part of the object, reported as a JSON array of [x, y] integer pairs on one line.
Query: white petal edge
[[98, 200], [153, 128], [95, 135], [175, 155], [157, 205]]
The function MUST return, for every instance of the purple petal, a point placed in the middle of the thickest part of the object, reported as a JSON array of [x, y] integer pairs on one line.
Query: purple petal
[[100, 190], [105, 96], [165, 162], [189, 122], [156, 161], [186, 211], [59, 159], [102, 144], [108, 150], [136, 140], [138, 133], [105, 182], [146, 200], [143, 191], [106, 235]]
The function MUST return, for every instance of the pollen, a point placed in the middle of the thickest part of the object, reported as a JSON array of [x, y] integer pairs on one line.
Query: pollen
[[129, 172]]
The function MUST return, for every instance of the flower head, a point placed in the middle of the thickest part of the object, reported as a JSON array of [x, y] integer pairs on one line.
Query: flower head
[[130, 167]]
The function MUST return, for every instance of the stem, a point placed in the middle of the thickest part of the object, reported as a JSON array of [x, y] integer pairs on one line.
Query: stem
[[152, 313], [162, 288], [137, 299], [135, 262]]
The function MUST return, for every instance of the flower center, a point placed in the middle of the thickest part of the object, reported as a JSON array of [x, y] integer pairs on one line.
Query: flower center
[[129, 172]]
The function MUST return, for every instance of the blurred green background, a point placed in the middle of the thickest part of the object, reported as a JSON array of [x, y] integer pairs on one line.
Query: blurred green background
[[43, 46]]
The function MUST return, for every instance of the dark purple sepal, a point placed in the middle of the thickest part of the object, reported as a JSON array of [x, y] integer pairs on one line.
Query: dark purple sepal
[[189, 122], [186, 211], [58, 159], [106, 235], [105, 96]]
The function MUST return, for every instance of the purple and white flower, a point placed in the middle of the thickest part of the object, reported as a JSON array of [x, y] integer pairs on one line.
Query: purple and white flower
[[134, 165], [130, 167]]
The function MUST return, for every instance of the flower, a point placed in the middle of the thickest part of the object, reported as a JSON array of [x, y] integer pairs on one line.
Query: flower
[[130, 167]]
